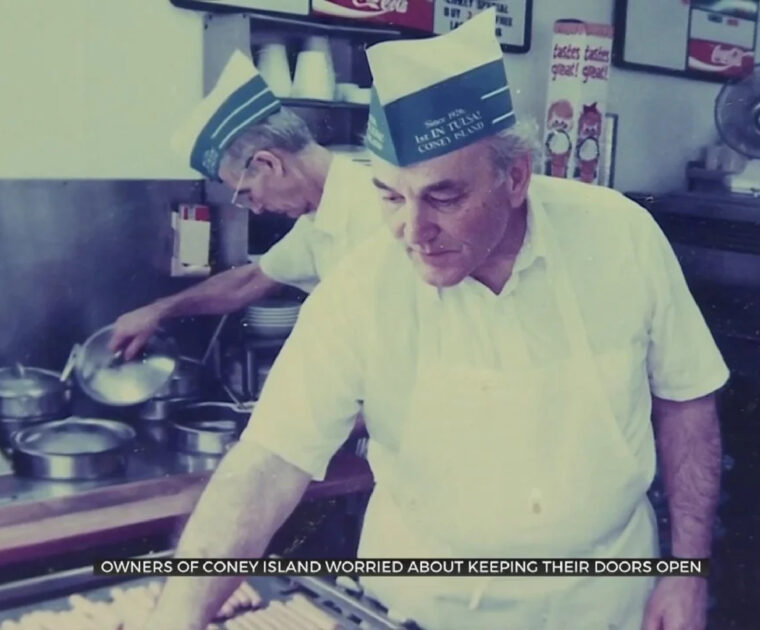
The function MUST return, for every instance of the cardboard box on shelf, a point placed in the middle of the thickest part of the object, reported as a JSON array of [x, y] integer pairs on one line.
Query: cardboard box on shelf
[[192, 238], [577, 100]]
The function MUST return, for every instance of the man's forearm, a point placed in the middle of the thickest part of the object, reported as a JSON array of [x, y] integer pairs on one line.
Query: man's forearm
[[246, 501], [690, 450], [223, 293]]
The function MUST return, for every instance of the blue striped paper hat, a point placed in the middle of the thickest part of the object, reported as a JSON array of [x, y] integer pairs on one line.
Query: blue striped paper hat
[[434, 96], [240, 98]]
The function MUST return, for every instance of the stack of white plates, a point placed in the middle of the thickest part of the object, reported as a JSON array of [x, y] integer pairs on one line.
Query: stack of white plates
[[272, 318]]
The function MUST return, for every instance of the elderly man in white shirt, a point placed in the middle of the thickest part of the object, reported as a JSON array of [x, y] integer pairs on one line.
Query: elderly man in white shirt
[[241, 135], [509, 339]]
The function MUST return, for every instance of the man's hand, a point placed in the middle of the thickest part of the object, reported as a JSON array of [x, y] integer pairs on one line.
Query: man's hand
[[677, 603], [132, 330]]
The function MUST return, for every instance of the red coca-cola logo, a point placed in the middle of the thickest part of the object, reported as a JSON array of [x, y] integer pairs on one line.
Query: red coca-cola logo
[[399, 6], [730, 56], [375, 6], [416, 14]]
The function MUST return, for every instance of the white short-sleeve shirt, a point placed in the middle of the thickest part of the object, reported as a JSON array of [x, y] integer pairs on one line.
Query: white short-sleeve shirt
[[348, 211], [357, 337]]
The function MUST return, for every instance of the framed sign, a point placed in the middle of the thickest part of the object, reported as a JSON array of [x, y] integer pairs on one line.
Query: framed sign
[[712, 40], [513, 19]]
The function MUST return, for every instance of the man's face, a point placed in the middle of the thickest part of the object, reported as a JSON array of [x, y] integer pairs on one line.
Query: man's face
[[268, 186], [451, 212]]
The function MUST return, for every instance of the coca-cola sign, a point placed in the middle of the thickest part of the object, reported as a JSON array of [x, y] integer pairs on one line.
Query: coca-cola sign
[[417, 14], [722, 59]]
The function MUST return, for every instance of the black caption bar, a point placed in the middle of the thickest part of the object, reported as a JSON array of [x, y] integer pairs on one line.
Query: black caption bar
[[635, 567]]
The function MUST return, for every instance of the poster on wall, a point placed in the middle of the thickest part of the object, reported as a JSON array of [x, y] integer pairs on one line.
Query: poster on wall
[[702, 39], [722, 36], [577, 100], [513, 19]]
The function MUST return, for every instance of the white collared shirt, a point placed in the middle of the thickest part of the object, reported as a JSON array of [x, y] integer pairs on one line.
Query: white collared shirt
[[348, 211], [357, 335]]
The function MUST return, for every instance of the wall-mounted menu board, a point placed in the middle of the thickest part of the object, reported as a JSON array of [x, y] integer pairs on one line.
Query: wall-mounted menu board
[[513, 19], [702, 39]]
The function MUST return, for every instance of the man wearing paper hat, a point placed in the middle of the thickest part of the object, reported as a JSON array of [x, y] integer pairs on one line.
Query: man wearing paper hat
[[508, 339], [240, 134]]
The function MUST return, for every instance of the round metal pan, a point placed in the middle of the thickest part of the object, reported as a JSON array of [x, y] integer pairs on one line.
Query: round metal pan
[[107, 378], [29, 392], [210, 428], [74, 448], [9, 426], [185, 381], [161, 409]]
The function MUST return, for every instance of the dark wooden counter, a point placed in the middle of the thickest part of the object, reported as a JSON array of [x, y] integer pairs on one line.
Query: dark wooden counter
[[103, 516]]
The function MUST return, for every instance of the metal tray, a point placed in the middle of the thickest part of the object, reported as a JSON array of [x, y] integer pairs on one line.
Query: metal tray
[[50, 592]]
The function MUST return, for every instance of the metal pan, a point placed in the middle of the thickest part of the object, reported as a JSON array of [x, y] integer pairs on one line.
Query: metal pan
[[211, 427], [29, 392], [74, 448], [107, 378], [185, 382], [9, 426], [161, 409]]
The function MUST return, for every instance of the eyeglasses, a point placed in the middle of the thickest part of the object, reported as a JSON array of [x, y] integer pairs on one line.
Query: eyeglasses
[[245, 205]]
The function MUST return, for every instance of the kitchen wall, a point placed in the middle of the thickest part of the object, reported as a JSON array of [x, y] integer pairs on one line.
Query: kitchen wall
[[76, 255], [664, 121], [93, 88]]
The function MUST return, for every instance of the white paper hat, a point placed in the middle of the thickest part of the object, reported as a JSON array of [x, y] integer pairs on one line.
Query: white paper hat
[[240, 98], [433, 96]]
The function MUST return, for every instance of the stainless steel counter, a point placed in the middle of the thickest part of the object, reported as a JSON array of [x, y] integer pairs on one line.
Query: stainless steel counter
[[147, 461]]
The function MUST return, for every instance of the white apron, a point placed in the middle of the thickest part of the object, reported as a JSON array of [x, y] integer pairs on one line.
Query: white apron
[[525, 463]]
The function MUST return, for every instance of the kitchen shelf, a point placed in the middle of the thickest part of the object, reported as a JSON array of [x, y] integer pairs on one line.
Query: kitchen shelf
[[314, 103], [332, 26]]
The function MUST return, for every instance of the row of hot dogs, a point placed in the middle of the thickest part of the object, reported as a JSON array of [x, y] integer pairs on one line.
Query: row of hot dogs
[[129, 608]]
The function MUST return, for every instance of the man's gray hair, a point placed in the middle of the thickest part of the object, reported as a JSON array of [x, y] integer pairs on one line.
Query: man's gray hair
[[282, 130], [510, 144]]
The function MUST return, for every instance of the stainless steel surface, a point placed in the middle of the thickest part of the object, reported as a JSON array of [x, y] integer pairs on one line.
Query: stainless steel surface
[[9, 426], [110, 380], [76, 255], [160, 409], [185, 382], [197, 462], [149, 458], [28, 392], [73, 448], [73, 580], [214, 338], [242, 362], [210, 428], [235, 400]]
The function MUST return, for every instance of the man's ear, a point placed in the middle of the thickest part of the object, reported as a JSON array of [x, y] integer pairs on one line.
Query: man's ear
[[269, 161], [518, 179]]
